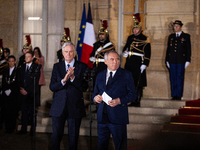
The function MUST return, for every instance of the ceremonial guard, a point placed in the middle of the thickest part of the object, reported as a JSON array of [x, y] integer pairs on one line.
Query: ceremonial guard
[[100, 48], [64, 39], [3, 61], [27, 47], [10, 93], [137, 52], [178, 57]]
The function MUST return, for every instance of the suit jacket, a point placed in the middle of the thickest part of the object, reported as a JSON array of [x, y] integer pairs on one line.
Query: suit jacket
[[28, 84], [10, 82], [121, 86], [71, 94], [178, 49]]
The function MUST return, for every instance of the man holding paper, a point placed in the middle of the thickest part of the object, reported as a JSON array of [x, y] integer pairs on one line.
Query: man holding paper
[[113, 90]]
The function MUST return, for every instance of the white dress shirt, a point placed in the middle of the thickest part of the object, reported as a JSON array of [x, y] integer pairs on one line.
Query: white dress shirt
[[108, 74], [71, 64], [11, 70], [178, 34], [28, 66]]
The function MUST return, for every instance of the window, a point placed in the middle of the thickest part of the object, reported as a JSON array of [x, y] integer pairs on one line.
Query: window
[[44, 21]]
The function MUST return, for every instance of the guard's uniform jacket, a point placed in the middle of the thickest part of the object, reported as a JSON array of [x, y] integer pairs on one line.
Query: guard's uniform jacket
[[60, 55], [178, 49], [3, 65], [99, 49], [139, 52]]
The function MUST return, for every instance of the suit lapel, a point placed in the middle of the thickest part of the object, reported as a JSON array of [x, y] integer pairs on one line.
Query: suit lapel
[[76, 68], [63, 68], [116, 76], [104, 78]]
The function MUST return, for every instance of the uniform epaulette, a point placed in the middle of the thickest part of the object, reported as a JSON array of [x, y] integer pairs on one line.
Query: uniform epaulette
[[145, 35], [148, 40]]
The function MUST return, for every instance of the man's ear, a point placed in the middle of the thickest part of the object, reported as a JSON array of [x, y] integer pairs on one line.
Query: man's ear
[[105, 61]]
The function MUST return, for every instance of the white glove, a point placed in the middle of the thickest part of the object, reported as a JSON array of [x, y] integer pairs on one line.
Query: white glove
[[125, 54], [92, 59], [7, 92], [142, 68], [186, 64], [167, 64]]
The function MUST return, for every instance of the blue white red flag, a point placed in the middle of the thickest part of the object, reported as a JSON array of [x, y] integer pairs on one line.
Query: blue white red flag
[[89, 39]]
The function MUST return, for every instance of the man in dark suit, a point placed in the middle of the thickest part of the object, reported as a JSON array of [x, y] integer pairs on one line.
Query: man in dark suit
[[112, 116], [68, 84], [178, 57], [10, 92], [26, 97]]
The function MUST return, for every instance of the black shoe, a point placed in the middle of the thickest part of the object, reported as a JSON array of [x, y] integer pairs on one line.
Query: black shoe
[[174, 98], [9, 132], [94, 111], [31, 133], [178, 98], [21, 132]]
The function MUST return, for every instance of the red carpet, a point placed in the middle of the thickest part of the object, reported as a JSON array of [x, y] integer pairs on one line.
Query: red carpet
[[187, 120], [193, 103]]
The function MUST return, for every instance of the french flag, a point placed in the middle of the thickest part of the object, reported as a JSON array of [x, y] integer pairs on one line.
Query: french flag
[[89, 39]]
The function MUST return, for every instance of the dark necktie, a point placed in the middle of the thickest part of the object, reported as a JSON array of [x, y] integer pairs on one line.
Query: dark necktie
[[68, 66], [27, 69], [26, 75], [109, 80], [108, 83]]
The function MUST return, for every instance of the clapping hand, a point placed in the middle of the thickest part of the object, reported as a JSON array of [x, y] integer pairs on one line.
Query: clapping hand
[[69, 74]]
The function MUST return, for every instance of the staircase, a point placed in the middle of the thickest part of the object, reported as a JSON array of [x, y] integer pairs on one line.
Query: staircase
[[144, 120], [187, 120]]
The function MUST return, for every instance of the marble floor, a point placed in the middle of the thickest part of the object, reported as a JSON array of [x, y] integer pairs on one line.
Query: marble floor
[[43, 142]]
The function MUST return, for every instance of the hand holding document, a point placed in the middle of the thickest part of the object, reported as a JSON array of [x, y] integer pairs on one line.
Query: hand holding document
[[106, 97]]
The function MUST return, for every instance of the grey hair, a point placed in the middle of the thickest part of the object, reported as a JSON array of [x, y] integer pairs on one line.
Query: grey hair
[[68, 44], [108, 52]]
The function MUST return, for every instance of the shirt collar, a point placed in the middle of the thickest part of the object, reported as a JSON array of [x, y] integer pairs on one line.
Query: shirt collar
[[113, 72], [29, 65], [178, 33], [11, 70], [71, 63]]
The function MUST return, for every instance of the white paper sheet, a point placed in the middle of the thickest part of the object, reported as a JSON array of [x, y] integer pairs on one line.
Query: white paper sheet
[[106, 97]]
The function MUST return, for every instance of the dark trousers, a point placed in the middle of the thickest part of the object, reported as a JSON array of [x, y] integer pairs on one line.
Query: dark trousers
[[58, 130], [27, 115], [10, 113], [119, 134], [177, 72]]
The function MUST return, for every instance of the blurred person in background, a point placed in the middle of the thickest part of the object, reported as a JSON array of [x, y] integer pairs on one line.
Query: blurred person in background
[[38, 55]]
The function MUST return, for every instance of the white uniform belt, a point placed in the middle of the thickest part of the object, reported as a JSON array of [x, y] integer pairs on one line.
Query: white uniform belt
[[99, 60], [134, 53]]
